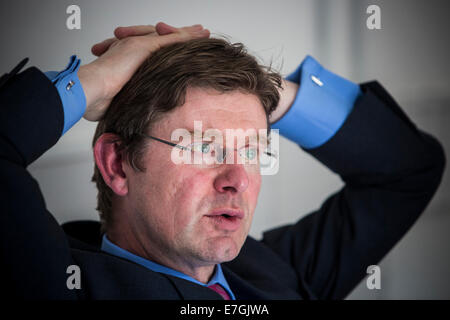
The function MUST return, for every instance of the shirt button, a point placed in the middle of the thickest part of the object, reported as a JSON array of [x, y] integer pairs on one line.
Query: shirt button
[[317, 81], [70, 85]]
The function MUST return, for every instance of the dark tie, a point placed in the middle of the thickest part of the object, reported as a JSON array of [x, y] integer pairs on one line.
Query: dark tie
[[218, 288]]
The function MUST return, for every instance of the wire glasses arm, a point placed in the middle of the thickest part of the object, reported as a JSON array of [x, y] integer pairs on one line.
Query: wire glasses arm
[[166, 142]]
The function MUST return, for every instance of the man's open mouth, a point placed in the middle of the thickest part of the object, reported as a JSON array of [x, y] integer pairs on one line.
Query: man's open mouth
[[226, 219]]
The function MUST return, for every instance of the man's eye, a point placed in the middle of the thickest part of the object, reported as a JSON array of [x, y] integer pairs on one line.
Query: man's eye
[[250, 153], [201, 147]]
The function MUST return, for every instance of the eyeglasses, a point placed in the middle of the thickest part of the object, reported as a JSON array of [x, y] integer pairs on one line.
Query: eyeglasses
[[210, 154]]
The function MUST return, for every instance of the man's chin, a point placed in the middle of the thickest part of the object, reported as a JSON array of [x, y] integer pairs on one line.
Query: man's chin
[[222, 249]]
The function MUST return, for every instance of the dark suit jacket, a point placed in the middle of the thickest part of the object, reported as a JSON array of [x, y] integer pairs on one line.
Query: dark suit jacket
[[391, 170]]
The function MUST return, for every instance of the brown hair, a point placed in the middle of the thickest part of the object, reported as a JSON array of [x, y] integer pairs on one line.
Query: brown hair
[[159, 86]]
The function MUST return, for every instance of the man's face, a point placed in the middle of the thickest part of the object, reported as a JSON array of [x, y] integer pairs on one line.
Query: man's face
[[174, 208]]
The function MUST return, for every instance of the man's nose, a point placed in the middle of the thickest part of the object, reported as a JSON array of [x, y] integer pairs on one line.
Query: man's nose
[[233, 178]]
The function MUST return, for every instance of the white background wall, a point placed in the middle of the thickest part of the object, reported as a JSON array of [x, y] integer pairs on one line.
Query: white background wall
[[409, 56]]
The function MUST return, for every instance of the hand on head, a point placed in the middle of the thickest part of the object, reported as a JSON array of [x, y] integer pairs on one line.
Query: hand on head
[[119, 57]]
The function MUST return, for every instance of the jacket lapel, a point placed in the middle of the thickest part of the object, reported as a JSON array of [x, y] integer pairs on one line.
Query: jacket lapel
[[192, 291]]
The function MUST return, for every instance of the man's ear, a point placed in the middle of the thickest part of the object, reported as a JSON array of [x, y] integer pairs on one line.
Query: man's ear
[[109, 161]]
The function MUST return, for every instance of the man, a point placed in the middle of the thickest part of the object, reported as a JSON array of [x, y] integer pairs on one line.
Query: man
[[179, 231]]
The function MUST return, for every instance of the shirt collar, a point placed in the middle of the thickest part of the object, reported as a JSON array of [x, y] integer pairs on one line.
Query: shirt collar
[[218, 276]]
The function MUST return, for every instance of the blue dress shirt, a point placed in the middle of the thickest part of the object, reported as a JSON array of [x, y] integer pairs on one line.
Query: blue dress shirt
[[218, 276], [323, 102], [70, 91]]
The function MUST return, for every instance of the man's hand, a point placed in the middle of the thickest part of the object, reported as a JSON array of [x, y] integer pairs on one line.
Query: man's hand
[[121, 56]]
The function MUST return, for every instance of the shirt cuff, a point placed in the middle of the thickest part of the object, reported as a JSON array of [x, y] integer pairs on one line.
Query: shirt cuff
[[323, 102], [70, 91]]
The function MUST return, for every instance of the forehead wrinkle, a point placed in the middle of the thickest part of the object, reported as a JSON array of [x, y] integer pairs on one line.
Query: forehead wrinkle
[[218, 112]]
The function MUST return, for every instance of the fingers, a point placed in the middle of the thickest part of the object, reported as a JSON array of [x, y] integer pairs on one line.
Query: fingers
[[184, 34], [123, 32], [101, 47], [120, 33], [169, 34], [165, 33], [163, 28]]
